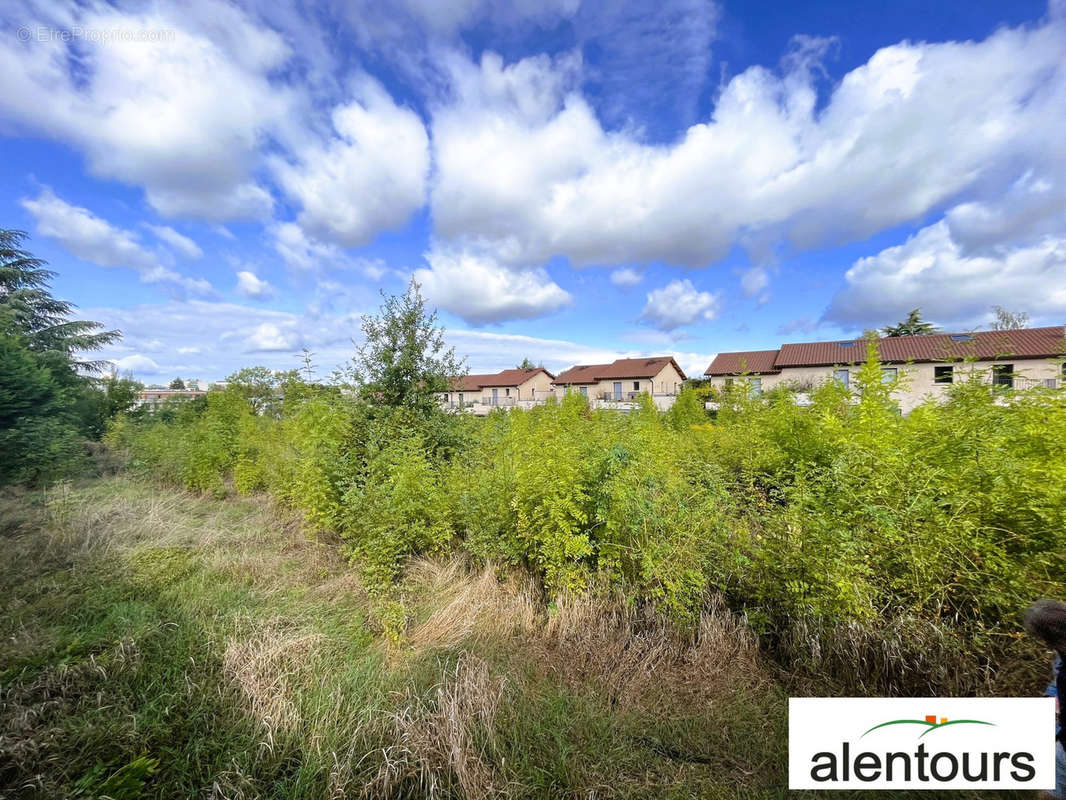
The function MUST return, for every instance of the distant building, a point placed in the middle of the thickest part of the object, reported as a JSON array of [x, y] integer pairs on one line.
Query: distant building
[[1019, 359], [153, 398], [509, 388], [619, 384]]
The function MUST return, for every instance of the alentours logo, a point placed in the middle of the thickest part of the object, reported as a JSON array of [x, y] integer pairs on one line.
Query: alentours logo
[[896, 743]]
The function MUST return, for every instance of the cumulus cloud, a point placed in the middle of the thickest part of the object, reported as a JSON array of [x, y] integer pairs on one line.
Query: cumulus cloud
[[525, 168], [182, 117], [269, 336], [368, 177], [137, 364], [480, 291], [177, 241], [626, 277], [91, 238], [252, 286], [301, 251], [679, 303], [933, 271]]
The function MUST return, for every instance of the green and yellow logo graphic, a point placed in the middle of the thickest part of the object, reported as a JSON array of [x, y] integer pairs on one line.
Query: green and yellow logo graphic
[[930, 723]]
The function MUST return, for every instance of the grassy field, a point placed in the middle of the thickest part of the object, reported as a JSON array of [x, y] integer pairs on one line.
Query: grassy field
[[163, 644]]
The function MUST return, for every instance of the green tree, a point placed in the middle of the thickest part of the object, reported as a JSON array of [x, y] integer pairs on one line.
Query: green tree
[[1008, 320], [48, 401], [913, 325], [403, 362], [177, 383], [528, 364], [28, 309]]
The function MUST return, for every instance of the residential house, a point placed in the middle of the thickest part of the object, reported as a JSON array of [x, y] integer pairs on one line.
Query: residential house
[[927, 365], [620, 383], [510, 388], [153, 398]]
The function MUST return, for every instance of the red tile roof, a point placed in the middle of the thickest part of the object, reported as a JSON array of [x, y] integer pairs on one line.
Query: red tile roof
[[756, 362], [507, 377], [620, 368], [582, 373], [514, 377], [982, 345], [469, 383]]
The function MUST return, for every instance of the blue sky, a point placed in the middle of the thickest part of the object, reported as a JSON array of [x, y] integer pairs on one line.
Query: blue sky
[[569, 181]]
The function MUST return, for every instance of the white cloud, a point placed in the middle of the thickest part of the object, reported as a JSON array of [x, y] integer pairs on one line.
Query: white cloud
[[754, 280], [1032, 207], [182, 117], [932, 271], [179, 242], [525, 170], [679, 303], [368, 177], [252, 286], [91, 238], [481, 291], [626, 277], [137, 364], [269, 336], [302, 251]]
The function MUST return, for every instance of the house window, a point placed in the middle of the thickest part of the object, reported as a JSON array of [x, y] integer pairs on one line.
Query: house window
[[842, 376], [888, 374], [943, 374], [728, 382], [585, 391], [636, 386], [617, 390], [756, 386], [507, 392], [1003, 374]]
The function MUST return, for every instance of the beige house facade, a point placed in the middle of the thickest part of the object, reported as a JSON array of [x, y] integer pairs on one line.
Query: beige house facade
[[510, 388], [926, 365], [618, 385]]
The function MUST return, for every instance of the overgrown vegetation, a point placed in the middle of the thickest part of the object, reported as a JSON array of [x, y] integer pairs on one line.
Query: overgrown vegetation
[[842, 512]]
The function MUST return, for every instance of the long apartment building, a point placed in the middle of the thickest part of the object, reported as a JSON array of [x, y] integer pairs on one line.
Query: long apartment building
[[617, 385], [1020, 359]]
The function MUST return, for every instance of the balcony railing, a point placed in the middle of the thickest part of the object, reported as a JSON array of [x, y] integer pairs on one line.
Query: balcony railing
[[620, 397], [489, 400]]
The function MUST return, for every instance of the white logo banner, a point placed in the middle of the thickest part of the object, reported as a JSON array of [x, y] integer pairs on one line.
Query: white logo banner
[[921, 743]]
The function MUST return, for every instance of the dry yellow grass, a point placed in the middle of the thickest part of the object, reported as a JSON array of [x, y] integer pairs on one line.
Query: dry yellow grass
[[269, 668], [445, 742], [635, 656], [471, 604]]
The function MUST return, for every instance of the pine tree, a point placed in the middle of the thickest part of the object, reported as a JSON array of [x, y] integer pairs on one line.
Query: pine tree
[[28, 309], [913, 325]]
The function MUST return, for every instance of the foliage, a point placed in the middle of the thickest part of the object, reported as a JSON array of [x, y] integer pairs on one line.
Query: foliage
[[28, 308], [177, 383], [403, 361], [49, 401], [839, 511], [1009, 320], [913, 325]]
